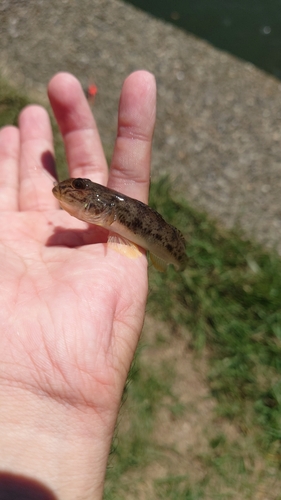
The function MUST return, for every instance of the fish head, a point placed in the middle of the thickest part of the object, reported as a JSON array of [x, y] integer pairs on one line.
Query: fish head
[[83, 199]]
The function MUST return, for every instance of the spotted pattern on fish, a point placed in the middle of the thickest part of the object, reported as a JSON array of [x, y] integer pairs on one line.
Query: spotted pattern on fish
[[130, 218]]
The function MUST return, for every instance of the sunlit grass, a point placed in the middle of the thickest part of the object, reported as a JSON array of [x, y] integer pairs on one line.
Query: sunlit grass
[[11, 103], [230, 298]]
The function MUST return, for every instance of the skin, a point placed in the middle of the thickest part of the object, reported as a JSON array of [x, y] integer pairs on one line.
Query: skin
[[71, 309]]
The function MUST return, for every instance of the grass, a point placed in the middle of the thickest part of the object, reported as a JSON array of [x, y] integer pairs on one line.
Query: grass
[[11, 103], [143, 396], [229, 298]]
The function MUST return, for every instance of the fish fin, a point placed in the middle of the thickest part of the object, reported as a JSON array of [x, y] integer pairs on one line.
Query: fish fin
[[123, 246], [158, 263], [116, 239], [183, 263]]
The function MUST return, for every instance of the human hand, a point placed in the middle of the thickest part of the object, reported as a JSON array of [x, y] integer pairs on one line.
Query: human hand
[[71, 307]]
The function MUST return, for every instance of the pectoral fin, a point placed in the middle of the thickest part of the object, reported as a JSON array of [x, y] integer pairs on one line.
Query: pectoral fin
[[158, 263], [123, 246]]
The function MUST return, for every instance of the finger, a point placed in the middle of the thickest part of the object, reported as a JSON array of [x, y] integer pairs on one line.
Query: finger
[[82, 142], [37, 166], [9, 165], [130, 169]]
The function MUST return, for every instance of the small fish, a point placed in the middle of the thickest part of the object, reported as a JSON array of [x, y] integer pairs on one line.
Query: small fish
[[129, 218]]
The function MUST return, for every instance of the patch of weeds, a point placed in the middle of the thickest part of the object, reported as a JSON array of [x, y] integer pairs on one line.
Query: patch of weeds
[[235, 469], [229, 297], [177, 409], [133, 447], [11, 103], [177, 488]]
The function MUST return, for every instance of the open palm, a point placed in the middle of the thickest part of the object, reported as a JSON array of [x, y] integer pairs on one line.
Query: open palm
[[71, 307]]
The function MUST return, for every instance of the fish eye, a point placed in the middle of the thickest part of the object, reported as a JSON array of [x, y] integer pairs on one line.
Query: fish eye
[[79, 183]]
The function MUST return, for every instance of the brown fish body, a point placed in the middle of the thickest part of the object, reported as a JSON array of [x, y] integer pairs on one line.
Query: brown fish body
[[131, 219]]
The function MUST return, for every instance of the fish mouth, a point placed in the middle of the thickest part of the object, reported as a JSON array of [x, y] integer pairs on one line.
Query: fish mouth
[[67, 200], [56, 191]]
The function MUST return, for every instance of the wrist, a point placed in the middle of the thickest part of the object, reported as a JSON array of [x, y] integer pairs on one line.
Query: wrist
[[61, 446]]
